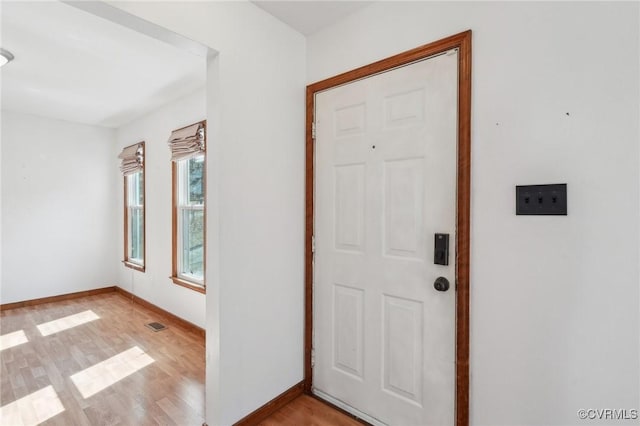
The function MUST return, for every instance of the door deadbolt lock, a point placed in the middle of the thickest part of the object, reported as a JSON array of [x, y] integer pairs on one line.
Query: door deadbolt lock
[[441, 284], [441, 249]]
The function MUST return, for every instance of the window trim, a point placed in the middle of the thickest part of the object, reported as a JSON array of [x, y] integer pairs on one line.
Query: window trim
[[175, 277], [127, 261]]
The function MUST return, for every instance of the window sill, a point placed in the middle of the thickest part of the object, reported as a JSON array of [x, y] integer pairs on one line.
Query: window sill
[[133, 265], [190, 285]]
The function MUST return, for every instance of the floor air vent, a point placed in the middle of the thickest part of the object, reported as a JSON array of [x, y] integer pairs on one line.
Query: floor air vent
[[156, 326]]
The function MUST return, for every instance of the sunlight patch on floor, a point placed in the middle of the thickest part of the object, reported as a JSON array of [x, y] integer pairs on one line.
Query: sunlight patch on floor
[[105, 373], [12, 339], [32, 409], [67, 322]]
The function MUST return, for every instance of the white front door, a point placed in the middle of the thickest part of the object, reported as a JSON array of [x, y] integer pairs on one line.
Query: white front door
[[385, 183]]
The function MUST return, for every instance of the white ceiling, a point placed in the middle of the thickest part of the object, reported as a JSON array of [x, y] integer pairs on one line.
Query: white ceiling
[[75, 66], [307, 17]]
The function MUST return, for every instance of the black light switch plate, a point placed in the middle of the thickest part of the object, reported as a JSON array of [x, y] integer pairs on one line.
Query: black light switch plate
[[541, 199]]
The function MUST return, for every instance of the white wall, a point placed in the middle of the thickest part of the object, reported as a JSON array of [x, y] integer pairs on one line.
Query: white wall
[[154, 285], [57, 215], [255, 215], [554, 300]]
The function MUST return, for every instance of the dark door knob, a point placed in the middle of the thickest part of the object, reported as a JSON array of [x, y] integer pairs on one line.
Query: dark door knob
[[441, 284]]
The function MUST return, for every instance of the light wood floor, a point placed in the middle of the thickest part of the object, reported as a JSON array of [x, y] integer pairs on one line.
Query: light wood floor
[[101, 344], [308, 411], [164, 381]]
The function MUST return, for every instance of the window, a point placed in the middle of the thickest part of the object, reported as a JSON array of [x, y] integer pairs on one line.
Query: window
[[134, 211], [189, 219], [135, 218]]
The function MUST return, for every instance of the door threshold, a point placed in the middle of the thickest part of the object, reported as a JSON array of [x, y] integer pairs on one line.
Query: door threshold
[[349, 409]]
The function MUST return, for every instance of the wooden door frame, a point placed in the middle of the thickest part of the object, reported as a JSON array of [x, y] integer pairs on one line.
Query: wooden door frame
[[461, 41]]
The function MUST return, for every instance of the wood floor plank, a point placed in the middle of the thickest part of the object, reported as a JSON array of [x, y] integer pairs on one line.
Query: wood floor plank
[[168, 391], [306, 410], [74, 411]]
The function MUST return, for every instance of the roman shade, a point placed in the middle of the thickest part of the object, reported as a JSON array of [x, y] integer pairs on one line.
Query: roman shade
[[132, 159], [187, 142]]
